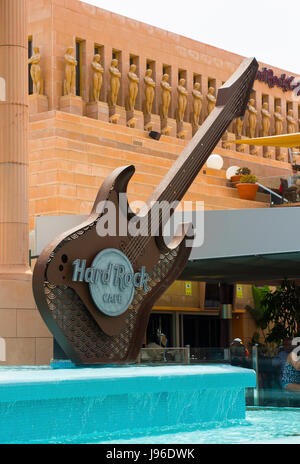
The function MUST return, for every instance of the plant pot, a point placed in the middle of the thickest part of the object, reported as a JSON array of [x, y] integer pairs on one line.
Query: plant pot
[[236, 179], [247, 191]]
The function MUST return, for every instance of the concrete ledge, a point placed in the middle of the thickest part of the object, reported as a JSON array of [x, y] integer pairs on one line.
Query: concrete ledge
[[47, 384], [38, 104], [41, 405]]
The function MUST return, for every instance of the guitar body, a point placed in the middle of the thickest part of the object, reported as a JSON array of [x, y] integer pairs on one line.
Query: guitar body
[[85, 334], [95, 288]]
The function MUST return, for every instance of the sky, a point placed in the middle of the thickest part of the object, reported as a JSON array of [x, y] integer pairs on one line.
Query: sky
[[266, 29]]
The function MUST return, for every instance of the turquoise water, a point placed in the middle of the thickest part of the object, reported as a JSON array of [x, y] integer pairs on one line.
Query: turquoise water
[[138, 405], [41, 405], [262, 426]]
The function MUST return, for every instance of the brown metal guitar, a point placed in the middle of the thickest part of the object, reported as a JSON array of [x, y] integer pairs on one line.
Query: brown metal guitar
[[95, 292]]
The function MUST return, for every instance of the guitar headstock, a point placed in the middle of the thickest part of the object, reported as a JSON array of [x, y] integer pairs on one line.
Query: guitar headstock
[[238, 88]]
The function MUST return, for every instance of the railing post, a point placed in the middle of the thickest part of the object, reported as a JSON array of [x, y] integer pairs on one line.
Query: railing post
[[227, 354], [255, 367], [187, 352]]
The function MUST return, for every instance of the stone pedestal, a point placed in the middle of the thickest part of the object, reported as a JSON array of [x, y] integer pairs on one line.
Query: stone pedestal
[[98, 110], [281, 154], [243, 148], [184, 130], [38, 104], [254, 151], [239, 148], [117, 115], [135, 119], [71, 104], [228, 140], [195, 129], [148, 125], [165, 129], [152, 122], [181, 133], [168, 127], [268, 153], [188, 129], [173, 126]]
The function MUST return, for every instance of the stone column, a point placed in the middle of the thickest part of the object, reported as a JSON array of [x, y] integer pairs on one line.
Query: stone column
[[14, 140]]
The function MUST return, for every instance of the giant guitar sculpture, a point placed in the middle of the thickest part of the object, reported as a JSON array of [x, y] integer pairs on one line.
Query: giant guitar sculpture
[[95, 293]]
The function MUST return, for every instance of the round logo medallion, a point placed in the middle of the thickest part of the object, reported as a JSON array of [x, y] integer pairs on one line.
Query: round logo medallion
[[113, 282]]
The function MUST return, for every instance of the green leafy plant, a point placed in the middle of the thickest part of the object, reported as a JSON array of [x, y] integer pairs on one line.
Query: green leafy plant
[[259, 312], [243, 172], [283, 312], [249, 179]]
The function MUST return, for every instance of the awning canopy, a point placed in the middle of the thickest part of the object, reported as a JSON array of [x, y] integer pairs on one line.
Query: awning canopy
[[247, 246], [285, 141], [260, 269]]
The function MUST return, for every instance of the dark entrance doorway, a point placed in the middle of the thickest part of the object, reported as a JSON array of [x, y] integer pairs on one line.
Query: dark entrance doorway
[[201, 331]]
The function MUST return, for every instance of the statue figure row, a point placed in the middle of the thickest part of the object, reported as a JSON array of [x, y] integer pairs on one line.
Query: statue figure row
[[266, 121], [166, 92], [115, 76], [150, 86]]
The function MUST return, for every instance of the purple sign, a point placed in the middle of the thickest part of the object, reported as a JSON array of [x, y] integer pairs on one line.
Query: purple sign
[[287, 84]]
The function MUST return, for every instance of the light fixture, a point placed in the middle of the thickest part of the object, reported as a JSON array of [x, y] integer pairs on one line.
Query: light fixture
[[215, 162], [231, 172]]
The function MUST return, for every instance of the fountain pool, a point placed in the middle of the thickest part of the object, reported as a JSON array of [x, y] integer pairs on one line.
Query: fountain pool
[[42, 405]]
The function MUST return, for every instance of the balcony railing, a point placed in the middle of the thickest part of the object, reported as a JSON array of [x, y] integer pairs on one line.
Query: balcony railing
[[283, 190], [164, 356]]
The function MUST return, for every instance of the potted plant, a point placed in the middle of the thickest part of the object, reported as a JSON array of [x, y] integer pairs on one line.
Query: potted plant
[[247, 187], [239, 174]]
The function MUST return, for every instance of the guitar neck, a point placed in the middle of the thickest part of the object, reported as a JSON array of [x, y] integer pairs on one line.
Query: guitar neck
[[231, 103], [189, 164]]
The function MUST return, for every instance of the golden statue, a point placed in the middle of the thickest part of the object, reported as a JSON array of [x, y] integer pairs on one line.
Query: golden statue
[[226, 141], [97, 77], [211, 100], [35, 71], [291, 123], [115, 76], [197, 104], [239, 124], [70, 72], [278, 120], [267, 154], [149, 91], [182, 100], [253, 150], [166, 96], [266, 120], [133, 88], [252, 118]]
